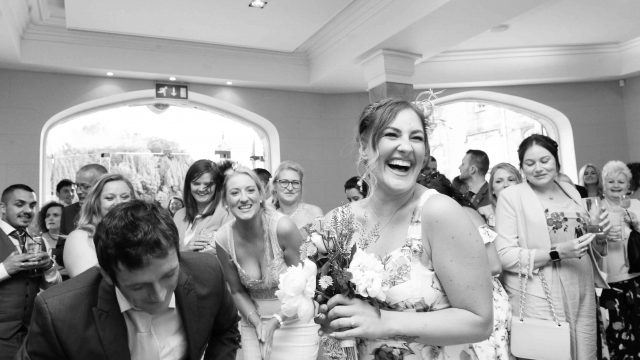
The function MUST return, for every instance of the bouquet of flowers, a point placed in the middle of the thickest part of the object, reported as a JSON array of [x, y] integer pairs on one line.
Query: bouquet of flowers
[[343, 268]]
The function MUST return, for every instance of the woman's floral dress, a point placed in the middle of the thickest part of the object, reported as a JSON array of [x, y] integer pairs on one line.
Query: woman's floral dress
[[414, 287]]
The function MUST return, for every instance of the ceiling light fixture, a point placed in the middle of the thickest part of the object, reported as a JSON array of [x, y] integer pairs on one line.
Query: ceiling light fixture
[[229, 83], [172, 78], [260, 4], [109, 73], [499, 28]]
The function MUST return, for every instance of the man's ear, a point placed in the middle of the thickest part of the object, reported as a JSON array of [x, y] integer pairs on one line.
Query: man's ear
[[3, 209], [106, 277]]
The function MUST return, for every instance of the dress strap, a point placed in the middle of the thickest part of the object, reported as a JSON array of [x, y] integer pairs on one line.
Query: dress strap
[[417, 212], [271, 220]]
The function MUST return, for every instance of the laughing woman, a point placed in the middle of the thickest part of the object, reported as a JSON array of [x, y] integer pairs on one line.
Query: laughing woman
[[622, 301], [201, 216], [432, 309], [254, 249]]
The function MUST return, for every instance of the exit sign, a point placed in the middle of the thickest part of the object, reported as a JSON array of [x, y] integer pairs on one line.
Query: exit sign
[[172, 91]]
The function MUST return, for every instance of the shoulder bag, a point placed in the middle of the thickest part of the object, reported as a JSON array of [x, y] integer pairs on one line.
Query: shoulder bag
[[538, 339]]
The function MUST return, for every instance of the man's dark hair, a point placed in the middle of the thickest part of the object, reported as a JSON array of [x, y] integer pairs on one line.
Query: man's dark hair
[[11, 188], [133, 232], [63, 183], [480, 160], [263, 174]]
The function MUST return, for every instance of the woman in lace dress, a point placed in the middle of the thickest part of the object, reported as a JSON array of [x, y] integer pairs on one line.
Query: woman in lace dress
[[432, 253], [254, 248]]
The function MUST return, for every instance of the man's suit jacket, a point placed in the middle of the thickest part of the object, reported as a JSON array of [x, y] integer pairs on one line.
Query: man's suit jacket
[[80, 318], [69, 218]]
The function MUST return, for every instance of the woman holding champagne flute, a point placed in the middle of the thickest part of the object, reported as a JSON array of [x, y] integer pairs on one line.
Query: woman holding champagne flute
[[543, 237], [622, 300]]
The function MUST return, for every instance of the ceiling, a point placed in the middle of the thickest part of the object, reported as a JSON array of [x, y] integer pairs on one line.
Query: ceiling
[[329, 46]]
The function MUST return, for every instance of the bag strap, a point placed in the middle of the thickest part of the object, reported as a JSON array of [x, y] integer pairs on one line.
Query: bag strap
[[523, 274]]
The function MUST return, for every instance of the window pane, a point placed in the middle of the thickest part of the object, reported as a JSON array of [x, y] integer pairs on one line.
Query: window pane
[[152, 145], [491, 127]]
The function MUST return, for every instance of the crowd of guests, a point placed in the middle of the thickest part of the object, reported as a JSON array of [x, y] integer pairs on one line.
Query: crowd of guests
[[195, 276]]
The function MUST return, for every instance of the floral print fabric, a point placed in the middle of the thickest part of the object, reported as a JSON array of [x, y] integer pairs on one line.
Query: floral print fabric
[[622, 331]]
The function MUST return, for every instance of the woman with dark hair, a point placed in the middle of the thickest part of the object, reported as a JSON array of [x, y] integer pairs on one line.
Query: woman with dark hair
[[356, 189], [634, 183], [49, 223], [254, 249], [79, 250], [201, 216], [432, 309], [543, 239]]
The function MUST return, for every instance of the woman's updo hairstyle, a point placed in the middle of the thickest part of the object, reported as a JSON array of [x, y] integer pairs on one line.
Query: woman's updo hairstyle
[[541, 140], [374, 119]]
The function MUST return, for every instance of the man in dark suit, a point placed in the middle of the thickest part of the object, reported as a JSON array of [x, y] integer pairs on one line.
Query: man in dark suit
[[22, 274], [146, 301], [86, 177]]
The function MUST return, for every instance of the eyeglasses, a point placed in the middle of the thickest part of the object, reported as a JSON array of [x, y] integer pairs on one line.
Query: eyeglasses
[[83, 186], [285, 183]]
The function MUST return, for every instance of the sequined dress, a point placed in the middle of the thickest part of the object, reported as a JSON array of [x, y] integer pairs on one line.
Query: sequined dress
[[294, 340]]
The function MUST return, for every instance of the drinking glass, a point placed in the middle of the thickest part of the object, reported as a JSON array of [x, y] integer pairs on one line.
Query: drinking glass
[[35, 246], [593, 206]]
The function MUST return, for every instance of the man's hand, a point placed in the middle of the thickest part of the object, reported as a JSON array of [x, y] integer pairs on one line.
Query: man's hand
[[17, 262]]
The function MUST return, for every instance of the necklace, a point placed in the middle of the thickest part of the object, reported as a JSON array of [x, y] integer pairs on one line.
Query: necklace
[[372, 236]]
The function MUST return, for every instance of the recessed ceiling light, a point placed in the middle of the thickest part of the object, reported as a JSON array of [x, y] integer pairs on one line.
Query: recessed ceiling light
[[172, 78], [229, 83], [260, 4], [500, 28], [109, 73]]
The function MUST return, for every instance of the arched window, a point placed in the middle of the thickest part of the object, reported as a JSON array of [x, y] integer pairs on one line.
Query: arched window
[[152, 143], [495, 123]]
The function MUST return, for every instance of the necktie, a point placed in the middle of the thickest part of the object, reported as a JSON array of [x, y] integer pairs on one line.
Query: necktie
[[21, 236], [145, 345]]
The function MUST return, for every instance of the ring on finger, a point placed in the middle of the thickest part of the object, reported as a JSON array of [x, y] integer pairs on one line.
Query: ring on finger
[[353, 324]]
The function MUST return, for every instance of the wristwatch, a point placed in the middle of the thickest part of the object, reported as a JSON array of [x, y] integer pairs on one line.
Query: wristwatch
[[553, 253]]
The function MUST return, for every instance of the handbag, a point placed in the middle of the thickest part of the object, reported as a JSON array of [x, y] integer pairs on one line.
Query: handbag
[[539, 339], [633, 251]]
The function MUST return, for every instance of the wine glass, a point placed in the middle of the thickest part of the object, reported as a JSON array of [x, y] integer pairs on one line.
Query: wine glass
[[593, 206]]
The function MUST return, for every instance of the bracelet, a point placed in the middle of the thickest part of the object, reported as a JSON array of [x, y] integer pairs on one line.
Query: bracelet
[[279, 318], [51, 265]]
